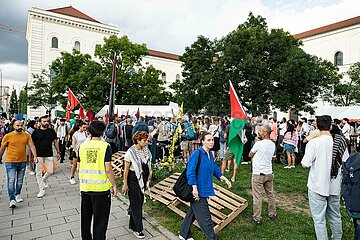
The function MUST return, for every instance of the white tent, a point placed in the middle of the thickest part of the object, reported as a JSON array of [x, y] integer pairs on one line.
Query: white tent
[[145, 110], [350, 112]]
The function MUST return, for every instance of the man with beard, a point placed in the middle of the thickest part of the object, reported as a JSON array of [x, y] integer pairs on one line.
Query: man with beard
[[43, 139], [15, 142]]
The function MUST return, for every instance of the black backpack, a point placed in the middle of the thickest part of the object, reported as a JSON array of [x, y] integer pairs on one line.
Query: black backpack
[[351, 183], [181, 188]]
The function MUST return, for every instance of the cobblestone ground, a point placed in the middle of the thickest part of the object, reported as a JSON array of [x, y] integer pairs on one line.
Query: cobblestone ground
[[57, 214]]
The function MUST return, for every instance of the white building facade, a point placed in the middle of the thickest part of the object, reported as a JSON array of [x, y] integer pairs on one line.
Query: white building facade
[[50, 32], [338, 43]]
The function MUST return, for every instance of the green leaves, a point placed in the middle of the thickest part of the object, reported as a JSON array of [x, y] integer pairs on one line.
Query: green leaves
[[267, 68]]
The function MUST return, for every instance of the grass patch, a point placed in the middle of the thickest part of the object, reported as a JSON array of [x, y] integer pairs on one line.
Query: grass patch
[[294, 220]]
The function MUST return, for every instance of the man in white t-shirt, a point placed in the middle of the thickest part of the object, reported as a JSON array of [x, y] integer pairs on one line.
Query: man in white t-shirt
[[262, 174], [323, 191]]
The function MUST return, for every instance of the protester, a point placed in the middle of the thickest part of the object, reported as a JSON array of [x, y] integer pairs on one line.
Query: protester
[[323, 155], [140, 126], [290, 142], [15, 143], [96, 180], [77, 139], [346, 130], [137, 172], [127, 134], [43, 139], [202, 189], [262, 174], [31, 126], [111, 134], [62, 132]]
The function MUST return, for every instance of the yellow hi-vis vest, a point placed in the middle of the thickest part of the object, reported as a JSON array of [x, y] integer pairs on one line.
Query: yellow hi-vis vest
[[92, 172]]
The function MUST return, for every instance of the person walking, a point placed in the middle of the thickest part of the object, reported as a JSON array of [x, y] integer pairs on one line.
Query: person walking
[[15, 143], [31, 126], [290, 142], [323, 156], [62, 132], [203, 188], [137, 173], [262, 174], [77, 139], [97, 180], [43, 139]]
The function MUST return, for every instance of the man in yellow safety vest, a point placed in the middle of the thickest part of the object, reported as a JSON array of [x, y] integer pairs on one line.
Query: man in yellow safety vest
[[96, 182]]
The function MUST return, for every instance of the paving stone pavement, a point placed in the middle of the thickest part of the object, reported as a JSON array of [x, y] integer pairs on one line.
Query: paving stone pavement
[[57, 214]]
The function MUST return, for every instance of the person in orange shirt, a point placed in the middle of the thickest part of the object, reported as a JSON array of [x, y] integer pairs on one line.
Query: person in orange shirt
[[15, 143]]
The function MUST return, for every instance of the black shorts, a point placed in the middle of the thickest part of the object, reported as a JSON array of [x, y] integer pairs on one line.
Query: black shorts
[[73, 154]]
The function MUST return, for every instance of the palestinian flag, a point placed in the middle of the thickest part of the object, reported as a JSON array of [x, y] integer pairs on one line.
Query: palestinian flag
[[239, 119]]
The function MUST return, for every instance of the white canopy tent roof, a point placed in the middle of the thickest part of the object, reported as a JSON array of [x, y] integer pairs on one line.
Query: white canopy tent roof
[[350, 112], [145, 110]]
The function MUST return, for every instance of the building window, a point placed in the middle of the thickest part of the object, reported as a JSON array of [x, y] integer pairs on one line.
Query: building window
[[77, 46], [177, 78], [163, 76], [338, 58], [54, 42]]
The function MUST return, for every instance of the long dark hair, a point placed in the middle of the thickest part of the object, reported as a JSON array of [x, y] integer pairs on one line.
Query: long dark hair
[[290, 128]]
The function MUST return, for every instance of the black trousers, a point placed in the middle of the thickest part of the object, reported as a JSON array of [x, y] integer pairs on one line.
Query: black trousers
[[200, 211], [97, 208], [136, 198], [62, 146]]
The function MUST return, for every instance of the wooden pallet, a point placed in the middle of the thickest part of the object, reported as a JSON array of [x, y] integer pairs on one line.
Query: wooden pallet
[[224, 207], [117, 163]]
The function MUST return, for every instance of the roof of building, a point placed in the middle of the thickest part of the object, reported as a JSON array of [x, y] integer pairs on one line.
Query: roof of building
[[329, 28], [73, 12], [171, 56]]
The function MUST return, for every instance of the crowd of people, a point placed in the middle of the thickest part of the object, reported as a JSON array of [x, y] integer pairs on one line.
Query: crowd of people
[[315, 143]]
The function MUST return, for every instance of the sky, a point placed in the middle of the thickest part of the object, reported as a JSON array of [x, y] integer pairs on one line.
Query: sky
[[166, 25]]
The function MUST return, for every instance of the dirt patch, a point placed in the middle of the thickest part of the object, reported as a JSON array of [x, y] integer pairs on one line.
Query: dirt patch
[[293, 202]]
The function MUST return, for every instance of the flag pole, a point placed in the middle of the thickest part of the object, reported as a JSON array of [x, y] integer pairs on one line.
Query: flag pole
[[112, 89]]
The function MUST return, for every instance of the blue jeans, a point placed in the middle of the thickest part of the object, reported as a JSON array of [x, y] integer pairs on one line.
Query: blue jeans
[[321, 206], [15, 175]]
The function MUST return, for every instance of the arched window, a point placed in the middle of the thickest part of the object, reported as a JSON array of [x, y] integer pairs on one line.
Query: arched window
[[77, 46], [163, 76], [177, 77], [338, 58], [54, 42]]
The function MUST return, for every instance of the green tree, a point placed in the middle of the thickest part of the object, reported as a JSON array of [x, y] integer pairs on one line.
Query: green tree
[[23, 99], [90, 81], [40, 92], [267, 68], [14, 103], [347, 92]]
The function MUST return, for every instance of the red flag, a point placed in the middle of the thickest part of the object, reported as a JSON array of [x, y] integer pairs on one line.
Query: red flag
[[107, 116], [90, 115], [237, 110], [127, 112], [81, 112], [72, 101], [138, 114], [117, 112]]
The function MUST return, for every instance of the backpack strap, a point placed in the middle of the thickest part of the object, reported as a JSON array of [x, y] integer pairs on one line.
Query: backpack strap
[[198, 163]]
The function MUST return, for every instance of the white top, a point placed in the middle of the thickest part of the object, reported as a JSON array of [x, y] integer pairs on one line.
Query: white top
[[214, 130], [80, 138], [318, 156], [127, 158], [262, 161], [61, 131], [346, 131], [282, 129]]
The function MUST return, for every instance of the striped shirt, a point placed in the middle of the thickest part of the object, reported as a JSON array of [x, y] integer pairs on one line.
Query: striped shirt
[[291, 139]]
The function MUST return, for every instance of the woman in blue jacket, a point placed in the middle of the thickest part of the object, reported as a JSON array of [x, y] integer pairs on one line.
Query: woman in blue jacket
[[202, 189]]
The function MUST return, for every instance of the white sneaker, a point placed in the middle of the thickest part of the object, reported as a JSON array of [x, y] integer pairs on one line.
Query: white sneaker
[[31, 173], [18, 198], [139, 235], [46, 184], [293, 166], [287, 167], [72, 181], [12, 204], [41, 194], [182, 238]]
